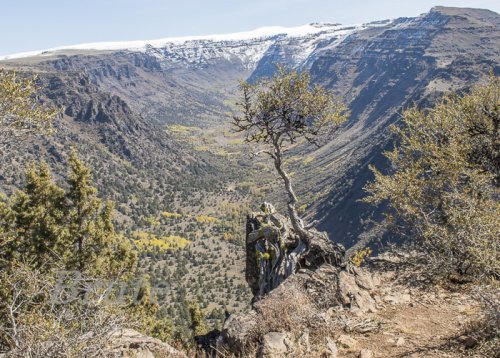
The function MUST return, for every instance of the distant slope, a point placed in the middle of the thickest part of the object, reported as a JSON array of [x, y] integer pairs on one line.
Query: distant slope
[[135, 161], [185, 80], [380, 72]]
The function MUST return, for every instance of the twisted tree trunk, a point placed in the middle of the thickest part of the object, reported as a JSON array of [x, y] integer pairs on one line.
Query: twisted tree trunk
[[278, 246], [297, 223]]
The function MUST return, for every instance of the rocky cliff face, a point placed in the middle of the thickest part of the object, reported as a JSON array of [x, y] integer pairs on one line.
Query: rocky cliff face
[[381, 72]]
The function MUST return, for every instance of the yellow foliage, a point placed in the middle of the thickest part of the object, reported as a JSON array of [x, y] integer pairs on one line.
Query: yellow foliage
[[308, 160], [21, 113], [220, 151], [168, 215], [359, 257], [152, 221], [204, 219], [201, 148], [180, 129], [236, 141], [229, 236], [149, 242]]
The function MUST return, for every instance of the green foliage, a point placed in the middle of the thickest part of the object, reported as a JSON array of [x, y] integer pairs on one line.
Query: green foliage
[[50, 227], [144, 311], [20, 112], [163, 329], [191, 275], [98, 248], [444, 186], [280, 111], [197, 317], [34, 219], [59, 258], [286, 108]]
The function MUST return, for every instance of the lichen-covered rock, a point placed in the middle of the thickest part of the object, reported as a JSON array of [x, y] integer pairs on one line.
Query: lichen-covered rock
[[237, 332], [130, 343], [274, 345]]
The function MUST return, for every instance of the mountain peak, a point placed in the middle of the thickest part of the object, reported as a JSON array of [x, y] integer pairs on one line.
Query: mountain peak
[[454, 11]]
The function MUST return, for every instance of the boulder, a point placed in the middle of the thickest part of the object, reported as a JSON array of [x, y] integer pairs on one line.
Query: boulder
[[331, 348], [366, 353], [274, 345], [236, 332], [364, 278], [347, 342], [398, 299], [303, 342], [352, 295], [467, 341]]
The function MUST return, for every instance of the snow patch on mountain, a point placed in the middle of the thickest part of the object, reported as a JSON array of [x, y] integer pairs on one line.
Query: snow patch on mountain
[[248, 47]]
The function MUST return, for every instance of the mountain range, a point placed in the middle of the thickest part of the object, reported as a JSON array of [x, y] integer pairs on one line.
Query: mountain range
[[153, 116], [378, 68]]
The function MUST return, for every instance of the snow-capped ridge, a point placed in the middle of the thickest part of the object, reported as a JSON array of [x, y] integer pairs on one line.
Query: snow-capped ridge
[[248, 47], [259, 33]]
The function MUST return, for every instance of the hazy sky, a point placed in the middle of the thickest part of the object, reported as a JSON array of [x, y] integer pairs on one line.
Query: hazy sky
[[27, 25]]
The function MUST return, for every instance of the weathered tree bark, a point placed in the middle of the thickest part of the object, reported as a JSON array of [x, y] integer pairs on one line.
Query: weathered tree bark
[[297, 223], [275, 250]]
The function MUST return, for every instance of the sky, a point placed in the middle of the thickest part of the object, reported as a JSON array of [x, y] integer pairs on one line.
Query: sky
[[28, 25]]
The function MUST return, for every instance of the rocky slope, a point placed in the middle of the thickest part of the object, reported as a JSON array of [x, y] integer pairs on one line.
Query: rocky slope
[[335, 308], [365, 313], [382, 71], [153, 179], [114, 138]]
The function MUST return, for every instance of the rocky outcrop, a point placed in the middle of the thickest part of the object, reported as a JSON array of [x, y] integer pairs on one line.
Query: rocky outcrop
[[305, 300], [274, 344], [289, 300], [274, 251], [354, 312], [132, 344]]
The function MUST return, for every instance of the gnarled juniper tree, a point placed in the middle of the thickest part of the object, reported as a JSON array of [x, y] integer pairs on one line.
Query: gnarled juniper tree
[[277, 113]]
